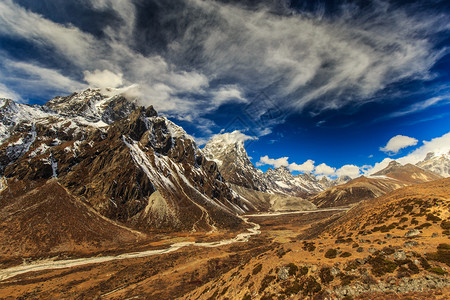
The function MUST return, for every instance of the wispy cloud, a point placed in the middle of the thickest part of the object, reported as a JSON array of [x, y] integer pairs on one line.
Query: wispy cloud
[[227, 51], [420, 106]]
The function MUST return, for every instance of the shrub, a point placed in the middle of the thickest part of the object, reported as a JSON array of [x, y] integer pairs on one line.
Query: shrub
[[351, 265], [303, 271], [325, 275], [310, 286], [265, 282], [412, 266], [257, 269], [437, 270], [442, 255], [346, 279], [292, 269], [308, 246], [381, 266], [424, 225], [433, 218], [331, 253], [424, 263], [445, 225], [345, 254], [293, 289]]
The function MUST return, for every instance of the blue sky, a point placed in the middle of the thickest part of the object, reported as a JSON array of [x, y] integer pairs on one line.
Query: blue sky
[[311, 85]]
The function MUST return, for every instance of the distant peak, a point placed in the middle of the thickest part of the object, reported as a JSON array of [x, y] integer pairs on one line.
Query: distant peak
[[393, 163]]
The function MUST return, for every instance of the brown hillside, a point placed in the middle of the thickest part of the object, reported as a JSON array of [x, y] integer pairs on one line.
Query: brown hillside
[[43, 219], [394, 176]]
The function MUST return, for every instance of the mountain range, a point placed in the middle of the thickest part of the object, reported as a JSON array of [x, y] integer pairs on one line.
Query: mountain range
[[132, 166]]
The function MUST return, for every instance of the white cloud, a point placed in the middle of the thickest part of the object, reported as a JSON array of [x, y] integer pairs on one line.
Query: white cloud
[[279, 162], [377, 167], [324, 169], [306, 167], [103, 79], [5, 92], [439, 145], [226, 93], [232, 137], [36, 78], [397, 143], [349, 170]]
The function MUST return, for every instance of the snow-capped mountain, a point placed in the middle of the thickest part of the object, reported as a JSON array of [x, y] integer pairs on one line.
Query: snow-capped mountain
[[234, 163], [437, 163], [236, 167], [126, 162]]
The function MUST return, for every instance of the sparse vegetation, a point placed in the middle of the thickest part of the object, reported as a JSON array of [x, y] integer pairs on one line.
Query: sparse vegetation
[[266, 282], [441, 255], [308, 246]]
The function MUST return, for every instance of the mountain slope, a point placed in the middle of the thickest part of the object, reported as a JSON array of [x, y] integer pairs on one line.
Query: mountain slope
[[412, 202], [45, 219], [394, 176]]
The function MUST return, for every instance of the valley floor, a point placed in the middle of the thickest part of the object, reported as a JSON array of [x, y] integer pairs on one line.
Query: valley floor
[[286, 260]]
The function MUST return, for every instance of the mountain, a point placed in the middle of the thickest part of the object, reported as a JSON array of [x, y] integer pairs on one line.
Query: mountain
[[392, 177], [236, 167], [407, 173], [126, 162], [439, 164], [234, 163]]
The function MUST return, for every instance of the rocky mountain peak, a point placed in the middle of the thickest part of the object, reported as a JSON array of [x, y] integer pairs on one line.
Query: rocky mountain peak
[[439, 164], [93, 105], [393, 165]]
